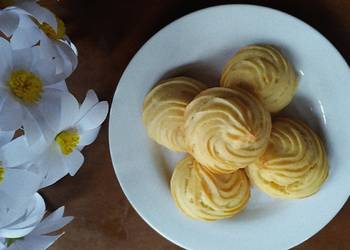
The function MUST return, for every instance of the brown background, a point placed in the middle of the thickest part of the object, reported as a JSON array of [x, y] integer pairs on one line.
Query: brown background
[[107, 34]]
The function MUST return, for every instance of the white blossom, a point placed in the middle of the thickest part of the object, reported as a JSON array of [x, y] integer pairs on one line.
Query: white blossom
[[17, 183], [79, 126], [36, 56], [28, 24], [27, 220], [30, 231], [30, 91]]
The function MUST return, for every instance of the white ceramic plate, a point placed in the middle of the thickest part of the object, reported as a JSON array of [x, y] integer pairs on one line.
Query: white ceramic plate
[[198, 45]]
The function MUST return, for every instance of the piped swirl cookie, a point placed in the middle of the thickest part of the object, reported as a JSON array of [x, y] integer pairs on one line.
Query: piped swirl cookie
[[203, 195], [226, 129], [264, 71], [163, 110], [294, 164]]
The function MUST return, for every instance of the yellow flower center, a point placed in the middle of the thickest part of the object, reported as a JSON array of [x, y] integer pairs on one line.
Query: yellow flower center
[[51, 33], [26, 86], [6, 3], [68, 140], [2, 174]]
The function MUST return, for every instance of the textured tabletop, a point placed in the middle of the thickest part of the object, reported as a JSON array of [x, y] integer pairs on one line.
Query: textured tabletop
[[107, 35]]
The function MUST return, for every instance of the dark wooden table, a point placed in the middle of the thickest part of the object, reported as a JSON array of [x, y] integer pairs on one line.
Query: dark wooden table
[[107, 35]]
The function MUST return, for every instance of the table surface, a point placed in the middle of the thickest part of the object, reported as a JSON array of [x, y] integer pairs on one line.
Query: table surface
[[107, 35]]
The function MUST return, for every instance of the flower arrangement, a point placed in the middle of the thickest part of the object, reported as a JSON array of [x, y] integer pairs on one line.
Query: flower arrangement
[[43, 128]]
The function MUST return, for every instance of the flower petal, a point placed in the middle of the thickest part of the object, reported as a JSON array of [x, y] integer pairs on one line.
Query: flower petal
[[34, 214], [43, 57], [9, 152], [20, 182], [36, 55], [50, 109], [6, 136], [48, 48], [69, 111], [89, 136], [17, 189], [2, 244], [11, 209], [34, 242], [41, 14], [26, 223], [11, 114], [52, 222], [46, 70], [8, 22], [22, 58], [31, 127], [25, 20], [56, 169], [94, 118], [25, 37], [73, 162], [44, 128], [67, 40], [69, 59], [90, 100], [5, 58], [62, 85]]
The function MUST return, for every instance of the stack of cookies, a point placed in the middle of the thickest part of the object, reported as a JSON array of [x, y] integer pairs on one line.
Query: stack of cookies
[[230, 137]]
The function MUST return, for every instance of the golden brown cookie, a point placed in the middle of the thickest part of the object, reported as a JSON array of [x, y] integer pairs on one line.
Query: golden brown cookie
[[163, 110], [294, 164], [226, 129], [264, 71], [203, 195]]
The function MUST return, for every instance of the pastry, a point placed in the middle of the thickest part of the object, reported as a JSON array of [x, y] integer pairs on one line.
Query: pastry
[[163, 110], [294, 164], [226, 129], [203, 195], [264, 71]]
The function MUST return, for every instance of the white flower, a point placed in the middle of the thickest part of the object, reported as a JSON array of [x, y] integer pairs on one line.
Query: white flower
[[17, 184], [28, 24], [34, 232], [78, 127], [29, 218], [16, 188], [30, 92]]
